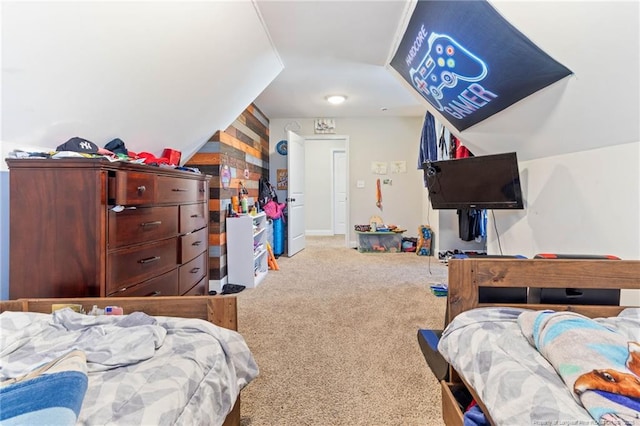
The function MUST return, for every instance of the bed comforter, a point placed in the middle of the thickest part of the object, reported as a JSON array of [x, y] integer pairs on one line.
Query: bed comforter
[[140, 369], [486, 346]]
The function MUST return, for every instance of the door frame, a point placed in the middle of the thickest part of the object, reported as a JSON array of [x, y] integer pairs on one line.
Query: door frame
[[335, 151], [345, 138]]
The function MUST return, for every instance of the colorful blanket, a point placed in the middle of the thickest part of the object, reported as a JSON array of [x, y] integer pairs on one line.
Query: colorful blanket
[[599, 364]]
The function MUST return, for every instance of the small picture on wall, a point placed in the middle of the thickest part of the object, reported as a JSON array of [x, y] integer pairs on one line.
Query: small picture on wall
[[324, 125], [281, 179], [379, 167], [398, 167]]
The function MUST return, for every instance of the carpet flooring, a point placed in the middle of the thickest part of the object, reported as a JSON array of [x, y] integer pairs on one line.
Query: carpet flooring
[[334, 335]]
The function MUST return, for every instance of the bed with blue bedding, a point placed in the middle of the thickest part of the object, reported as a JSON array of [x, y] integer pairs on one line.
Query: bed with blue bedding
[[165, 362], [541, 364]]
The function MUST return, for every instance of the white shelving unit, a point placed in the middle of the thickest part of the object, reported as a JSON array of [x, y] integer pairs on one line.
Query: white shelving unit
[[247, 249]]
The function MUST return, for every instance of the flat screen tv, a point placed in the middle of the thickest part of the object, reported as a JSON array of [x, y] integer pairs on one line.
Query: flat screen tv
[[481, 182]]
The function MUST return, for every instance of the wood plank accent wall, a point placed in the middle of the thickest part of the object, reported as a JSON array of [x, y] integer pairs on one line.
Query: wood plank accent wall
[[243, 146]]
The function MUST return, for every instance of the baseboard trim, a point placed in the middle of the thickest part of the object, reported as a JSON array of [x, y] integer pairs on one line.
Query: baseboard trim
[[319, 233]]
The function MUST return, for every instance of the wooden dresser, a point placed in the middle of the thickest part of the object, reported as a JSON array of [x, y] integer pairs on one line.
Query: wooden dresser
[[93, 228]]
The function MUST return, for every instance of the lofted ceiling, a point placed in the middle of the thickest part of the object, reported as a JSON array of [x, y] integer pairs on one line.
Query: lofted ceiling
[[335, 47], [344, 47]]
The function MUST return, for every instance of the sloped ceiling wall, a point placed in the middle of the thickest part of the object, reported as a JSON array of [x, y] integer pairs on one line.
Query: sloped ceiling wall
[[155, 74], [169, 74], [598, 106]]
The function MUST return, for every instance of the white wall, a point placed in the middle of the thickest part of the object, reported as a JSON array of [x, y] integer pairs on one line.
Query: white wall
[[582, 203], [381, 140], [155, 74], [585, 202], [597, 106], [448, 235]]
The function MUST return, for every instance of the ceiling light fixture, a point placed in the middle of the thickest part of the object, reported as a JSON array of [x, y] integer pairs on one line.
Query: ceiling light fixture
[[336, 99]]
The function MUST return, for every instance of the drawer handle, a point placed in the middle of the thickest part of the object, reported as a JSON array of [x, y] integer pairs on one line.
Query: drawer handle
[[179, 190], [194, 270], [196, 243], [194, 215], [153, 294], [154, 223], [142, 188], [149, 259]]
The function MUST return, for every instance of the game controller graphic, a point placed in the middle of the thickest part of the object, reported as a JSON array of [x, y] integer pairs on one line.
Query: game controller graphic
[[445, 63]]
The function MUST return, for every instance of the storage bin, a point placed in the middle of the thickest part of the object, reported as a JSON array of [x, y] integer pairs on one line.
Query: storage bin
[[379, 242]]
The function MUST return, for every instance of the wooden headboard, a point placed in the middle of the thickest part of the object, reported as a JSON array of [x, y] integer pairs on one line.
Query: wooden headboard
[[466, 276]]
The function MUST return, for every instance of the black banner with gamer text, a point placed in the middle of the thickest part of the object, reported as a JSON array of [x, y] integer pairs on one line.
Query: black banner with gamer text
[[468, 62]]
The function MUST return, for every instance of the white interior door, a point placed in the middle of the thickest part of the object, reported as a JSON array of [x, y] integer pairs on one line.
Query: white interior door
[[339, 192], [295, 194]]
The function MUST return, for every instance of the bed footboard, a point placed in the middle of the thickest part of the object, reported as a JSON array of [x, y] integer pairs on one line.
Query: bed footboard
[[219, 310]]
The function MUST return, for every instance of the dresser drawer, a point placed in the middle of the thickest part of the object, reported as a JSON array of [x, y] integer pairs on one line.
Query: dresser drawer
[[132, 226], [200, 289], [132, 265], [192, 272], [135, 188], [164, 285], [192, 245], [192, 217], [177, 190]]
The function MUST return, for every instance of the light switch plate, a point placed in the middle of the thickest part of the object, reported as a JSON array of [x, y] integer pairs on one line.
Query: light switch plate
[[360, 184]]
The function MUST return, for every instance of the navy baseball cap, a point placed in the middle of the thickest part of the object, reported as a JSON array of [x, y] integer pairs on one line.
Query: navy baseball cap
[[117, 146], [78, 145]]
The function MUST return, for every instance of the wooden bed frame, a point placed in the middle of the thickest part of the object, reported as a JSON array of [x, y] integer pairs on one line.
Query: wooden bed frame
[[219, 310], [466, 276]]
